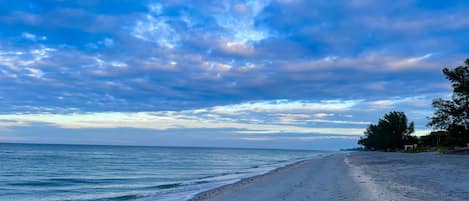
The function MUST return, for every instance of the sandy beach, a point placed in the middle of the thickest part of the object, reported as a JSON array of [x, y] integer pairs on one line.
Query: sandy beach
[[356, 176]]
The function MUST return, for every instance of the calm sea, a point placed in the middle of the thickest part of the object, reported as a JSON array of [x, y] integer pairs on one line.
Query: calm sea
[[83, 172]]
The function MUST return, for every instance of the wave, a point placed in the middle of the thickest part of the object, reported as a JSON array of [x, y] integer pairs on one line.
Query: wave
[[116, 198], [36, 183], [165, 186], [55, 182], [164, 174], [124, 198]]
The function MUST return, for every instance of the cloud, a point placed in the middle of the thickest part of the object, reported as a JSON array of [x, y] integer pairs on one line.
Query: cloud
[[32, 37], [240, 24], [11, 123], [420, 101], [171, 56], [260, 117], [368, 62], [286, 105], [21, 59], [308, 138], [410, 62], [250, 67], [36, 73], [340, 122], [156, 30], [165, 121], [257, 138], [421, 22]]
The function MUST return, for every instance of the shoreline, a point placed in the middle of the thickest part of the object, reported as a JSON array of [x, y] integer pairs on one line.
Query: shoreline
[[214, 191], [293, 182]]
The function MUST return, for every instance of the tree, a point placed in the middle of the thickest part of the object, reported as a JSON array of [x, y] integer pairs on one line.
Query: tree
[[435, 138], [453, 115], [391, 132]]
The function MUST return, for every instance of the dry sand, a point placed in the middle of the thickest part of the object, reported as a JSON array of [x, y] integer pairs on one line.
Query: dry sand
[[356, 176], [423, 176]]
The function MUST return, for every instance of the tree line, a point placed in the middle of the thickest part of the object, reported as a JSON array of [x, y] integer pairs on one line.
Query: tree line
[[450, 120]]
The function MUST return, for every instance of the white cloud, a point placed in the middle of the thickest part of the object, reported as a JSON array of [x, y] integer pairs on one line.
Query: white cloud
[[236, 48], [11, 123], [409, 62], [304, 138], [108, 42], [257, 138], [216, 66], [381, 104], [19, 60], [32, 37], [249, 118], [339, 122], [36, 73], [239, 23], [303, 118], [422, 101], [156, 30], [323, 115], [369, 62], [277, 106], [118, 64], [28, 36], [165, 121], [156, 8]]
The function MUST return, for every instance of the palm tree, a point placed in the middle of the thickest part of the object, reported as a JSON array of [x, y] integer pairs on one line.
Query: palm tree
[[391, 132]]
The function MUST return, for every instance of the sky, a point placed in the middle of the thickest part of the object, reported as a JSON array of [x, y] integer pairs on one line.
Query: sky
[[263, 74]]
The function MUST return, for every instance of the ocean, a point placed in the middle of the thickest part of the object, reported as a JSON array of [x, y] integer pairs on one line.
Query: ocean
[[116, 173]]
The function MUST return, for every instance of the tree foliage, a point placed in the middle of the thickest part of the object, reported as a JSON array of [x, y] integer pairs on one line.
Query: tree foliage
[[391, 133], [453, 115]]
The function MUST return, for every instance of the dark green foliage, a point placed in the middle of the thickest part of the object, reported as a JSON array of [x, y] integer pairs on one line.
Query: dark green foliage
[[453, 115], [434, 139], [391, 133]]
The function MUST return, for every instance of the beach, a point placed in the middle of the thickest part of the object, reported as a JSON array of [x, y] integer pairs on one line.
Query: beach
[[356, 176]]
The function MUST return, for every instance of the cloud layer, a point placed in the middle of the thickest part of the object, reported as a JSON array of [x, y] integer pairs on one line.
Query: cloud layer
[[300, 65], [173, 55]]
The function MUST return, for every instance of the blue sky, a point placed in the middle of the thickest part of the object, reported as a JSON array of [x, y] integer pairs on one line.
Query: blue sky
[[268, 73]]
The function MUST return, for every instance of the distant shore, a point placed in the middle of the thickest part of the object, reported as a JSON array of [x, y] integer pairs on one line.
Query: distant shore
[[356, 176]]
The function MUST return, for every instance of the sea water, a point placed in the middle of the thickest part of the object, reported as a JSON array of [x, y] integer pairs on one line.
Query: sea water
[[88, 172]]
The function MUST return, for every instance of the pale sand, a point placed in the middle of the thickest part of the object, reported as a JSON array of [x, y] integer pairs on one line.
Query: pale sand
[[357, 176], [423, 176]]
